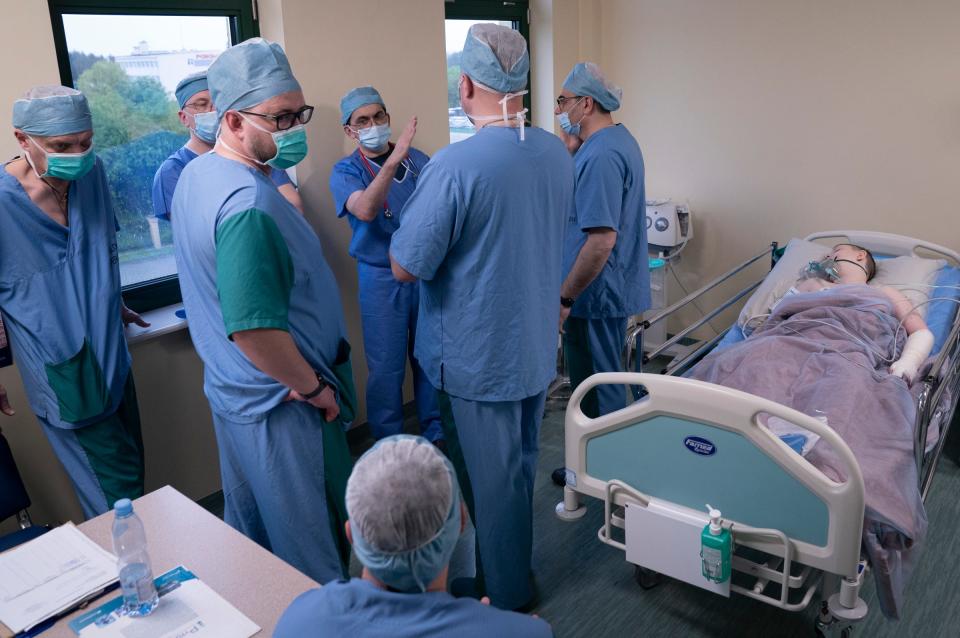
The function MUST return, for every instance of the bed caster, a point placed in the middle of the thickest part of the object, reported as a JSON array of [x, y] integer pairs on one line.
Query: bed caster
[[646, 578], [570, 509]]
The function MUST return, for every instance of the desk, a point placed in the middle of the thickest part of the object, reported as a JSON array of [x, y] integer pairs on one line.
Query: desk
[[180, 532]]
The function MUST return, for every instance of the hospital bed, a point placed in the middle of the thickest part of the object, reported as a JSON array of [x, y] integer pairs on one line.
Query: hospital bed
[[656, 464]]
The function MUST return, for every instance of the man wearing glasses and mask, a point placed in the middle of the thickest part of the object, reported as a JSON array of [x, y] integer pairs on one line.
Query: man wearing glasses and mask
[[199, 116], [370, 187], [265, 318]]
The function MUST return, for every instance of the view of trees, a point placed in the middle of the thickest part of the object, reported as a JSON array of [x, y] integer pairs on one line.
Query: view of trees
[[135, 127], [453, 78]]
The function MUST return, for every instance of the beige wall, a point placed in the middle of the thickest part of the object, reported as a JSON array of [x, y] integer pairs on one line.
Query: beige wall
[[777, 119]]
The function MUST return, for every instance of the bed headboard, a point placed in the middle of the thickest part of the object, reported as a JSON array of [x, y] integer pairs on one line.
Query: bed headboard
[[890, 244]]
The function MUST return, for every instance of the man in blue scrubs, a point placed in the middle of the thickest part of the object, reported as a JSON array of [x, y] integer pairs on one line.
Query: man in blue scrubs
[[370, 186], [198, 115], [60, 298], [606, 272], [484, 233], [265, 318], [403, 533]]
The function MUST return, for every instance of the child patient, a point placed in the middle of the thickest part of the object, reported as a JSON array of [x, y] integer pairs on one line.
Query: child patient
[[851, 264]]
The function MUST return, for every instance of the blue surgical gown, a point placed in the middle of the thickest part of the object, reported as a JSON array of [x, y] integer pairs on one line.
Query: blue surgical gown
[[610, 194], [371, 240], [483, 232], [60, 298], [165, 180], [360, 608]]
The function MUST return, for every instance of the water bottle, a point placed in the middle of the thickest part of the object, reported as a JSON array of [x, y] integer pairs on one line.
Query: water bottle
[[136, 576]]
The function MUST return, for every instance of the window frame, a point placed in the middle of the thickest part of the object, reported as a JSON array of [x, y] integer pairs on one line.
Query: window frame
[[244, 24], [517, 12]]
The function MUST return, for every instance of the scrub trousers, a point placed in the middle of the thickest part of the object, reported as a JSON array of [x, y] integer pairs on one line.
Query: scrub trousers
[[388, 310], [591, 346], [104, 460], [493, 447], [284, 478]]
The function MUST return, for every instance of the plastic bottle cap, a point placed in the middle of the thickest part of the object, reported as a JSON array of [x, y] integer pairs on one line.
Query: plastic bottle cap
[[123, 507]]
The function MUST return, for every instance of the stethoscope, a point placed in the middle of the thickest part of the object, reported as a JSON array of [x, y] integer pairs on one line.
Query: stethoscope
[[406, 163]]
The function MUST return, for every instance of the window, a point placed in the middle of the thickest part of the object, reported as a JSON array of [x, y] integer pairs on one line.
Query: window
[[460, 16], [127, 56]]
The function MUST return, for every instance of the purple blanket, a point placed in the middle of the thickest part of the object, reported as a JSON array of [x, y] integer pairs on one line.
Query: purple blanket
[[826, 354]]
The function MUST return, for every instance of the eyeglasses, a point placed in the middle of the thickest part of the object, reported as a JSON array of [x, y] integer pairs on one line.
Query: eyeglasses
[[200, 106], [285, 121], [380, 118], [562, 99]]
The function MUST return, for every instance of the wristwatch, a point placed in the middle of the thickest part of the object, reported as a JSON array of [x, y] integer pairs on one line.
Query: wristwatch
[[567, 302], [321, 384]]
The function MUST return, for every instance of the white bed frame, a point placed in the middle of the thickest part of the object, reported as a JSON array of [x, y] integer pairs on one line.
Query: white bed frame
[[652, 431]]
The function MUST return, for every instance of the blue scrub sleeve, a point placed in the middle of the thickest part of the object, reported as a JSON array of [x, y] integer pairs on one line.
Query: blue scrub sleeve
[[254, 273], [599, 192], [345, 180], [164, 183], [280, 177], [430, 224]]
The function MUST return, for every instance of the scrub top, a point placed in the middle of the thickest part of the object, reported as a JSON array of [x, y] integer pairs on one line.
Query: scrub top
[[165, 180], [371, 240], [610, 194], [248, 259], [60, 299], [484, 234], [359, 608]]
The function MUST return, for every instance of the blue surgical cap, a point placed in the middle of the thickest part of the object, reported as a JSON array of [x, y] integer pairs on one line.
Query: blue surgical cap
[[586, 78], [404, 531], [360, 96], [190, 86], [50, 110], [496, 57], [249, 73]]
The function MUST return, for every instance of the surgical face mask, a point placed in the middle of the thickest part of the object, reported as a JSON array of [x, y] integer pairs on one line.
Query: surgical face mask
[[291, 145], [205, 125], [67, 166], [568, 127], [374, 138]]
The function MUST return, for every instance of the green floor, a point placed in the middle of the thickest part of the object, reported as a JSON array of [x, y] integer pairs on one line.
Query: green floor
[[587, 588]]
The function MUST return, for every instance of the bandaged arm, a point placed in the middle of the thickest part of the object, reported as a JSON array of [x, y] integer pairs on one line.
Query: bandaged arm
[[919, 342]]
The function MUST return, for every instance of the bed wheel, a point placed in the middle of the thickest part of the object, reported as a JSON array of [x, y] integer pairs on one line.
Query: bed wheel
[[646, 578], [846, 632]]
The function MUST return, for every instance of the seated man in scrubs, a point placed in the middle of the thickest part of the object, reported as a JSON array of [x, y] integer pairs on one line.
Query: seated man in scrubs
[[60, 298], [605, 261], [200, 118], [403, 533], [484, 234], [370, 186], [265, 318]]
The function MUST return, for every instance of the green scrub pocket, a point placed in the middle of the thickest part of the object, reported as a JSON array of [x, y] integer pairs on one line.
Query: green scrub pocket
[[347, 395], [79, 386], [337, 462]]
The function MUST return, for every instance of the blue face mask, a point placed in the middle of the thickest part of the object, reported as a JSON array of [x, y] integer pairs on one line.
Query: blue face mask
[[66, 166], [205, 126], [374, 138], [565, 124]]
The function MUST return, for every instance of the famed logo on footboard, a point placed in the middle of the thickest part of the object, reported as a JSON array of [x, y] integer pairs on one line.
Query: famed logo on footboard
[[699, 446]]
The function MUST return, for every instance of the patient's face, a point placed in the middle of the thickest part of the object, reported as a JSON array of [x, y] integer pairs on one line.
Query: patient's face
[[846, 251]]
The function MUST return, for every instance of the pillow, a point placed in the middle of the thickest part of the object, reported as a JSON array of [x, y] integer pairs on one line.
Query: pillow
[[900, 272], [776, 284]]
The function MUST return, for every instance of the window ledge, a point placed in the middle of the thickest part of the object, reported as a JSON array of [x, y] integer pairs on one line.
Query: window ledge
[[162, 321]]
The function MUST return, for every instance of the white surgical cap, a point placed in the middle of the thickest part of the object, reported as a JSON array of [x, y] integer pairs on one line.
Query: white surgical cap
[[404, 508], [249, 73], [586, 78], [496, 56], [50, 110]]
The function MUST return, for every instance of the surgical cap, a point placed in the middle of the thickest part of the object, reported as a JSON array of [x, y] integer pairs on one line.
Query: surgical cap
[[404, 509], [356, 98], [190, 86], [496, 57], [249, 73], [586, 78], [52, 109]]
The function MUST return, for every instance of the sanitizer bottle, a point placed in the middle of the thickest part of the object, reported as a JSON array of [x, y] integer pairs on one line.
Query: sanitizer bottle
[[716, 547]]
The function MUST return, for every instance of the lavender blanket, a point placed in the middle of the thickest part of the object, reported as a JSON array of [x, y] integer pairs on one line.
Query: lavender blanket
[[826, 354]]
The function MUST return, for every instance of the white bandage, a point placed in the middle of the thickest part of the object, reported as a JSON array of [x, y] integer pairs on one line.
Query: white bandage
[[915, 351]]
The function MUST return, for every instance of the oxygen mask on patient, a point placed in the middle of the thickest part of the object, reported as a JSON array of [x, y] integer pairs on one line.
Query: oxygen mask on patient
[[825, 269]]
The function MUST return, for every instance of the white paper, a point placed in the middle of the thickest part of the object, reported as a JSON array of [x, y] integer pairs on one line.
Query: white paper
[[51, 574], [192, 609]]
